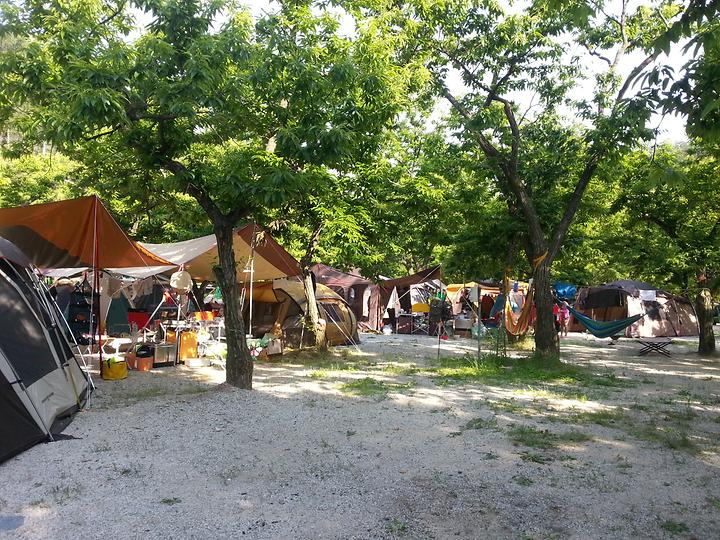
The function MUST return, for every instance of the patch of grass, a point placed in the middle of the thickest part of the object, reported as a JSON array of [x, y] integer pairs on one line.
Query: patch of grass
[[526, 371], [64, 494], [714, 502], [544, 439], [481, 423], [39, 503], [100, 446], [397, 527], [554, 392], [170, 501], [395, 369], [508, 405], [672, 438], [639, 407], [535, 457], [674, 527], [523, 480], [684, 415], [525, 343], [604, 417], [318, 374], [371, 387], [131, 470], [529, 436]]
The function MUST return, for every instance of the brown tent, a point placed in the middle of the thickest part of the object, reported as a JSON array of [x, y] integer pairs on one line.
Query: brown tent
[[279, 307], [71, 234], [666, 315], [352, 287]]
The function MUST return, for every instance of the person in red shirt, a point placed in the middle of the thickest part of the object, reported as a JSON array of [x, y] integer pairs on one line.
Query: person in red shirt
[[556, 316]]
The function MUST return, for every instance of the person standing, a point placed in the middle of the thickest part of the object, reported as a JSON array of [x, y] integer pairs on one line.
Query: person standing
[[564, 318], [556, 316]]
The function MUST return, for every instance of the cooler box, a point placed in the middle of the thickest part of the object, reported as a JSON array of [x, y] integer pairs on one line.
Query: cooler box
[[165, 354]]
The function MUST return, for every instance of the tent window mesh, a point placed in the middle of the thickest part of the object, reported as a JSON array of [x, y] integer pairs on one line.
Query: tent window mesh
[[333, 313]]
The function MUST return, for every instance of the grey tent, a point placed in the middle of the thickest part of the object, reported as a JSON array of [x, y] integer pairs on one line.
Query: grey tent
[[41, 383]]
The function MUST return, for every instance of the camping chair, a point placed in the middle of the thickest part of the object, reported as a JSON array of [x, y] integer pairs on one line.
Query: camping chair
[[419, 323]]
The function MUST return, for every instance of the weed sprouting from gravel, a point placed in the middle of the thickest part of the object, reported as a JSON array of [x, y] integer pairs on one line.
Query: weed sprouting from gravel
[[523, 480], [544, 439], [64, 494], [170, 501], [481, 423], [397, 527], [674, 527]]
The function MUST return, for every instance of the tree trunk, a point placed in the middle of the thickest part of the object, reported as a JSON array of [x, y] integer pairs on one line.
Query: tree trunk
[[239, 364], [312, 315], [703, 308], [546, 338]]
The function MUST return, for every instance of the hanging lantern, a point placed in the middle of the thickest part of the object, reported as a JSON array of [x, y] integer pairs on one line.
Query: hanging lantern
[[181, 282]]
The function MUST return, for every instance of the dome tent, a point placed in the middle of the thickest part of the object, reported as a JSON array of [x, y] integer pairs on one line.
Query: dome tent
[[665, 314], [41, 383]]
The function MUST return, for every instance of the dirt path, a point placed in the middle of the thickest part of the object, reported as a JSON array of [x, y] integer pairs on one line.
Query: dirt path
[[384, 442]]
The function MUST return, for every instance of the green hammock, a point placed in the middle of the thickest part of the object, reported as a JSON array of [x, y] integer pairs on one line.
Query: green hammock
[[603, 329]]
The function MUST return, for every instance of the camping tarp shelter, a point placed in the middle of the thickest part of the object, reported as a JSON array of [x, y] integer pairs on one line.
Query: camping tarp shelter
[[71, 234], [666, 315], [41, 383], [352, 287], [380, 294], [199, 255], [281, 306]]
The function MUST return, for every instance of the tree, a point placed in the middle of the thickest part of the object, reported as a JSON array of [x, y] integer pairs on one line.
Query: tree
[[512, 64], [238, 116]]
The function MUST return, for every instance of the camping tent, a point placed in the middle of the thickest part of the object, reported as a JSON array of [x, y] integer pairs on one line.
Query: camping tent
[[279, 307], [72, 234], [351, 286], [666, 315], [41, 383], [410, 290], [252, 246]]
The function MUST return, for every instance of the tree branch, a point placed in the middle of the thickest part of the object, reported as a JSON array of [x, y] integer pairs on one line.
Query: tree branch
[[633, 75], [99, 135], [572, 207], [484, 143]]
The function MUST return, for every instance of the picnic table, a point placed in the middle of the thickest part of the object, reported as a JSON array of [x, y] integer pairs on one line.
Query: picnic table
[[658, 345]]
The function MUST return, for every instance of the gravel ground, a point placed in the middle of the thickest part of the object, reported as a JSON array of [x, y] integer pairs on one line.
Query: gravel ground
[[175, 454]]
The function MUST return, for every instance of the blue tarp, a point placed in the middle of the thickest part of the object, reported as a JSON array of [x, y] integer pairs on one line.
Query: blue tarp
[[565, 291]]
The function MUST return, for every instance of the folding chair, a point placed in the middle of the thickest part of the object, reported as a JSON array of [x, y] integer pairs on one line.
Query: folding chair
[[420, 324]]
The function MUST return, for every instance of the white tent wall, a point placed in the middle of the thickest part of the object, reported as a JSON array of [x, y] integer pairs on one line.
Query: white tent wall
[[669, 318]]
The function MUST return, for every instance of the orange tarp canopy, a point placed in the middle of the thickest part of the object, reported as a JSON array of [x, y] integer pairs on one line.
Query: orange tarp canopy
[[67, 234]]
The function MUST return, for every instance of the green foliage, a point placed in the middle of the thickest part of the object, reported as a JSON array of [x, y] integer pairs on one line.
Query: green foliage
[[36, 179]]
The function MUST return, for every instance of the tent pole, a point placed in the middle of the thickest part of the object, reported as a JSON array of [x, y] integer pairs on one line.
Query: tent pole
[[252, 277], [96, 287]]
